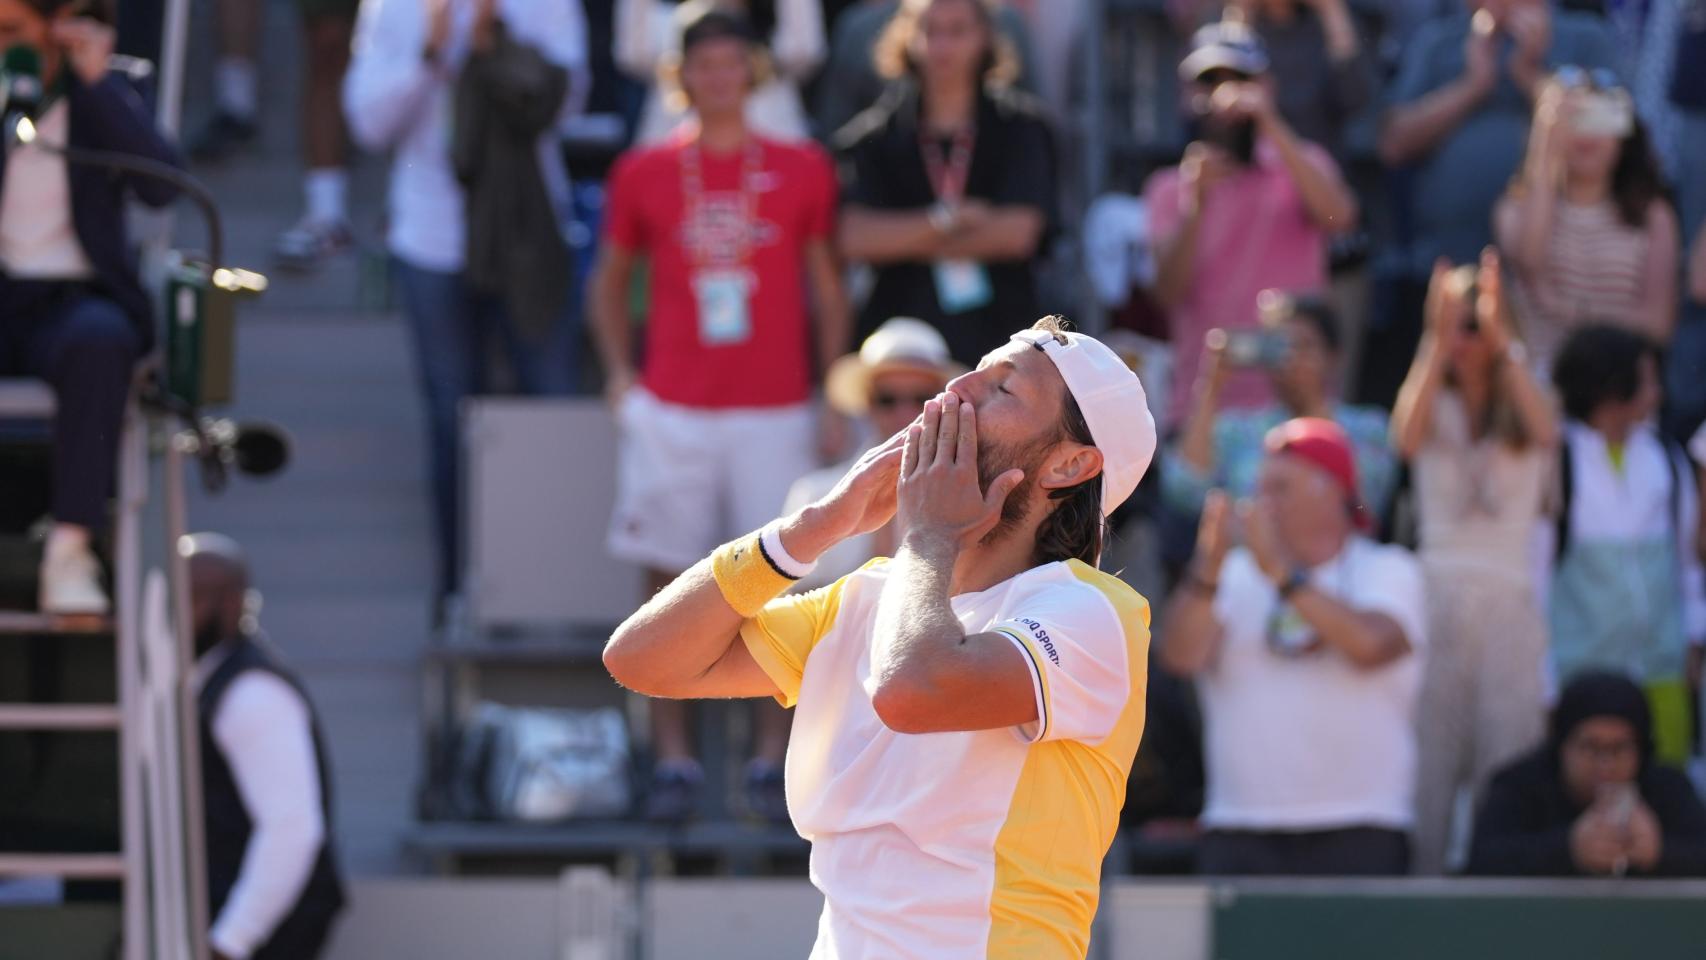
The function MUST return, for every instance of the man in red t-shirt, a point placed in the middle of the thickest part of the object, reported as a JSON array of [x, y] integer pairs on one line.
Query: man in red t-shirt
[[717, 420]]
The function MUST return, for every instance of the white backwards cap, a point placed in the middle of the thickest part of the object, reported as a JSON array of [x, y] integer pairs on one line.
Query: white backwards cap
[[1113, 403]]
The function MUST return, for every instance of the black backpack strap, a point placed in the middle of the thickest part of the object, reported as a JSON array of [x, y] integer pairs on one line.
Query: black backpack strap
[[1566, 495], [1676, 457]]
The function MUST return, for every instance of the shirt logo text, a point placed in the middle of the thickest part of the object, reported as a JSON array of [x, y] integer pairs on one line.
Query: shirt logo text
[[1042, 638]]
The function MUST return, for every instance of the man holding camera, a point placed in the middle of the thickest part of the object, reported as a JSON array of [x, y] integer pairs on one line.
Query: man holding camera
[[1249, 208], [1296, 346], [72, 311], [1306, 644]]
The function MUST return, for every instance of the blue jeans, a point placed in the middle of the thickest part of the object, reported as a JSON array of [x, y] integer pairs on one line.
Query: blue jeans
[[454, 329]]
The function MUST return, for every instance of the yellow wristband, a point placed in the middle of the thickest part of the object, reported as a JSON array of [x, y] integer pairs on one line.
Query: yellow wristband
[[747, 577]]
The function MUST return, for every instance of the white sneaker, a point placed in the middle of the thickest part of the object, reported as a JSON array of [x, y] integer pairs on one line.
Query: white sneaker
[[71, 584], [312, 242]]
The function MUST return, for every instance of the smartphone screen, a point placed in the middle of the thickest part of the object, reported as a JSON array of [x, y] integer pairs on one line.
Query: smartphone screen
[[1619, 801], [1256, 348]]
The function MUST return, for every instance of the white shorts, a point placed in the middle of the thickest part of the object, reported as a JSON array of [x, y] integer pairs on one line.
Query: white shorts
[[688, 479]]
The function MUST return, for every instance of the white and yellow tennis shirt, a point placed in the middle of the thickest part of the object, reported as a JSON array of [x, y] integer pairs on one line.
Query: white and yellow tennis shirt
[[961, 845]]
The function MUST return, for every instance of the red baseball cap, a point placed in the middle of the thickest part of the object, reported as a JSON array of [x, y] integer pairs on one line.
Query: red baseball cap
[[1324, 444]]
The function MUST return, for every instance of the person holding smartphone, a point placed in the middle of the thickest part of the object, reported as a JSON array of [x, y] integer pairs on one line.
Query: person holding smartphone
[[1296, 346], [1458, 111], [1250, 206], [1305, 631], [1585, 224], [72, 310], [1590, 800]]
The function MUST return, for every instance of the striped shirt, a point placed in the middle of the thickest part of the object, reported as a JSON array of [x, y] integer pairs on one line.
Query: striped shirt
[[1595, 272]]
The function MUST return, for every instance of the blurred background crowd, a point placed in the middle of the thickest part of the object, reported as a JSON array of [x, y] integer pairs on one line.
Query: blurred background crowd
[[1417, 288], [1459, 248]]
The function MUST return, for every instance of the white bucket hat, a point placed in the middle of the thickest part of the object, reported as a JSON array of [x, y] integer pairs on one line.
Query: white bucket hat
[[901, 343], [1113, 403]]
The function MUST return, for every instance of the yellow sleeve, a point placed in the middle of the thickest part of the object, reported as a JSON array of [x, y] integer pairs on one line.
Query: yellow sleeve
[[783, 634]]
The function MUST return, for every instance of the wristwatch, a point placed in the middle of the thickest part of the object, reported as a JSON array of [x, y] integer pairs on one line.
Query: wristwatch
[[942, 217], [1294, 581]]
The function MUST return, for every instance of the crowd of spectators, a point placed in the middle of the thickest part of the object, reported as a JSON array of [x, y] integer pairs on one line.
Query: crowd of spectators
[[1392, 527]]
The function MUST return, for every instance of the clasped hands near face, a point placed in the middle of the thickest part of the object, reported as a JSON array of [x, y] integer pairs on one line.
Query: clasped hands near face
[[1602, 844], [926, 478]]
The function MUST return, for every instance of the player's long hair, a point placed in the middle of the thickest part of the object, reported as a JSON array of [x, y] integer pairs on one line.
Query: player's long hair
[[1073, 528]]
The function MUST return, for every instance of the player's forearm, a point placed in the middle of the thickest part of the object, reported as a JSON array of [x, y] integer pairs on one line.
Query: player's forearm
[[809, 533], [675, 638], [672, 645], [915, 622]]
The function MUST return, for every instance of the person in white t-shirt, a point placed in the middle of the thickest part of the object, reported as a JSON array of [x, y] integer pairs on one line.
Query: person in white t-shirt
[[967, 712], [1307, 645]]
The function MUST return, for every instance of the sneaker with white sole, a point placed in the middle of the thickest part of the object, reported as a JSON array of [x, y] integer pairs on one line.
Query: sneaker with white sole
[[312, 242], [71, 584]]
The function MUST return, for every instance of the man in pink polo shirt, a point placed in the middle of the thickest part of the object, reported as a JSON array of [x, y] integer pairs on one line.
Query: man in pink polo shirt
[[1250, 207]]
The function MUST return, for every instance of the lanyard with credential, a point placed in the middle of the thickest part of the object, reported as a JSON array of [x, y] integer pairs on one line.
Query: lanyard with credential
[[705, 246], [948, 168]]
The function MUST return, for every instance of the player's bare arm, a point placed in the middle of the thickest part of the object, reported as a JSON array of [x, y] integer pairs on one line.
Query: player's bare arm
[[684, 642], [928, 674]]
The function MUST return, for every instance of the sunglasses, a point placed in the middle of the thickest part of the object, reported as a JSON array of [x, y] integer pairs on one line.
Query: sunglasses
[[888, 401], [1218, 76], [1573, 77]]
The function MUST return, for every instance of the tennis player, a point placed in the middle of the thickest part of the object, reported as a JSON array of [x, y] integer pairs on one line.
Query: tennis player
[[967, 711]]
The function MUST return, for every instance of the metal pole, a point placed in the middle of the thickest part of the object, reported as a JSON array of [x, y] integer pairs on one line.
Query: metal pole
[[165, 816], [173, 44], [188, 723], [1094, 117], [127, 647]]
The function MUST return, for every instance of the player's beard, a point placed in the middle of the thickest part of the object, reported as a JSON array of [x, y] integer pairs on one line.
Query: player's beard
[[994, 459]]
